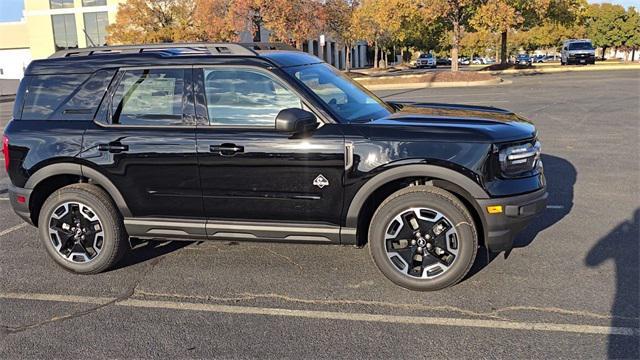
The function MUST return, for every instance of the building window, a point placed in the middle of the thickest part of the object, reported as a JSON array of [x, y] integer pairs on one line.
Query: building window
[[64, 31], [95, 25], [59, 4], [94, 2]]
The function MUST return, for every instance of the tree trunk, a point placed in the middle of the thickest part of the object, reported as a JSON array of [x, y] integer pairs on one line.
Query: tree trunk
[[455, 45], [503, 43], [347, 58], [604, 52], [375, 56], [299, 45]]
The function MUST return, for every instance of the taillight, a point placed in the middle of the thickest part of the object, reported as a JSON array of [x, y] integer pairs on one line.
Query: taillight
[[5, 151]]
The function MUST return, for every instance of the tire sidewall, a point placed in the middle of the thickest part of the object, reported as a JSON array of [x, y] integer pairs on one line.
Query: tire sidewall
[[467, 239], [102, 260]]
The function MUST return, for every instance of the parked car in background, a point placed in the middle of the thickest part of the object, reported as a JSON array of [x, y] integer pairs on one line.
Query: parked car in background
[[523, 59], [443, 61], [538, 59], [464, 61], [426, 60], [578, 52]]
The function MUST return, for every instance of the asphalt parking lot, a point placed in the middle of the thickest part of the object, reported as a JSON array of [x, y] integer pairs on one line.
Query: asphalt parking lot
[[570, 289]]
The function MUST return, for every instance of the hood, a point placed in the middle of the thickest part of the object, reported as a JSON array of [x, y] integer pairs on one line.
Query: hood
[[447, 122]]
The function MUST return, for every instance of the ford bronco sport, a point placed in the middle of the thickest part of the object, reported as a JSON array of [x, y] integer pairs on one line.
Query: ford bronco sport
[[233, 141]]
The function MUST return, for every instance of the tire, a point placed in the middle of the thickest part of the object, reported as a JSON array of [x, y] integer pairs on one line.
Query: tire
[[105, 241], [431, 202]]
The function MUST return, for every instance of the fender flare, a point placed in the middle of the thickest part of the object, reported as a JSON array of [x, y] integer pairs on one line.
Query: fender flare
[[472, 189], [84, 171]]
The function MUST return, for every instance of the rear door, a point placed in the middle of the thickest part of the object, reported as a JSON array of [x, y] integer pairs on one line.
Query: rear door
[[144, 142], [250, 171]]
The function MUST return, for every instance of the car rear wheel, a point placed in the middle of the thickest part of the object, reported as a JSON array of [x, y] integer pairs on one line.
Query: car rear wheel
[[82, 230], [423, 238]]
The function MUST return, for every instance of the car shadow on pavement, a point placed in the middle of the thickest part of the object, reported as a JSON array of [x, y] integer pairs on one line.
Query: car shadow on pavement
[[145, 250], [621, 246], [561, 177]]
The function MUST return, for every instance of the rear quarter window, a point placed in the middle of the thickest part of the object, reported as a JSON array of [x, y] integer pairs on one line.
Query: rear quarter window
[[64, 97], [45, 93]]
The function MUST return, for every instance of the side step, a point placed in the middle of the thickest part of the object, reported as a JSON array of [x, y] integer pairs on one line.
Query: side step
[[179, 229]]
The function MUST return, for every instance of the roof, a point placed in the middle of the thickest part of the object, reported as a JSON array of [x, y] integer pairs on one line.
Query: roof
[[88, 60]]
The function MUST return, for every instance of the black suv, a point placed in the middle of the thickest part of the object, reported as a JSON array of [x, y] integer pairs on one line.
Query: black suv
[[230, 141]]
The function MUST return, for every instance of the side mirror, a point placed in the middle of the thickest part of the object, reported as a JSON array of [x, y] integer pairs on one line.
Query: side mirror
[[295, 121]]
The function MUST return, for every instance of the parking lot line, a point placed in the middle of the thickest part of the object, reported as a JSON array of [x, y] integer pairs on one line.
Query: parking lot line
[[12, 229], [331, 315]]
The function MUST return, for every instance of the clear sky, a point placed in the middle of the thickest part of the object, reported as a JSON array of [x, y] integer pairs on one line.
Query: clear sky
[[11, 10]]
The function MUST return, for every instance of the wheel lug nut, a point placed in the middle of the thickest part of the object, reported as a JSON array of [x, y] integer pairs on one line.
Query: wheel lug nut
[[413, 242], [419, 250], [429, 246]]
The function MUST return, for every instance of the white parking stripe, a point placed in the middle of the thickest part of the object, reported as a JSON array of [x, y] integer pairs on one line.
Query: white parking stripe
[[330, 315], [12, 229], [555, 206], [4, 199]]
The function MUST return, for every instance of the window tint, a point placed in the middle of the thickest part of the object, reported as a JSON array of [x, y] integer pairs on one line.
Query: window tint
[[47, 92], [64, 31], [245, 97], [580, 46], [95, 25], [149, 97], [59, 4], [85, 102], [94, 2]]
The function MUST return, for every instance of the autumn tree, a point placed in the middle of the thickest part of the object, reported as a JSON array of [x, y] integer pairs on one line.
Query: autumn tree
[[457, 14], [153, 21], [380, 24], [498, 16], [339, 16]]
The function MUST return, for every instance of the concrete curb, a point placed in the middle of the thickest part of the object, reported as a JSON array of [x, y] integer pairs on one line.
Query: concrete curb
[[442, 84], [569, 68]]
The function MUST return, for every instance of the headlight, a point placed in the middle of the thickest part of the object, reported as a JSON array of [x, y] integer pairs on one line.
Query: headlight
[[519, 159]]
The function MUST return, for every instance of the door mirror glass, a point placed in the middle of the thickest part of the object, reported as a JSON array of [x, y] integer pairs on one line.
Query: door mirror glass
[[295, 121]]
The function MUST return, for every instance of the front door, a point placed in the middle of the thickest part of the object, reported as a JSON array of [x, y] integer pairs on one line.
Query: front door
[[248, 170], [145, 143]]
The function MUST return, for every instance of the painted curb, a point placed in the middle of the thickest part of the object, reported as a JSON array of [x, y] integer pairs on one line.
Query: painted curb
[[442, 84], [570, 68]]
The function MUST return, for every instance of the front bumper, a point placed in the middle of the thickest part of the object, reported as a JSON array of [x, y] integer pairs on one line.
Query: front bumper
[[518, 212], [20, 207]]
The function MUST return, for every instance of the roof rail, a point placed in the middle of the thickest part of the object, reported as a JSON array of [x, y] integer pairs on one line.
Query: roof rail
[[210, 48], [268, 46]]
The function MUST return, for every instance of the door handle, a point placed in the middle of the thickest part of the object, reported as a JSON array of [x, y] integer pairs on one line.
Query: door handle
[[113, 147], [226, 149]]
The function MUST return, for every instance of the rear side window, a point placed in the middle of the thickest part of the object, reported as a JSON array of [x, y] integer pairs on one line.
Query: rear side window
[[149, 97], [46, 93]]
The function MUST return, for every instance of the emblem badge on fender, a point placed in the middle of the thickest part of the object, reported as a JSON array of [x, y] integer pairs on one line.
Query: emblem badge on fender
[[321, 181]]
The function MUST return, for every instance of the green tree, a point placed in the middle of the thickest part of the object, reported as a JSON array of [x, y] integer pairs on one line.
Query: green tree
[[604, 23]]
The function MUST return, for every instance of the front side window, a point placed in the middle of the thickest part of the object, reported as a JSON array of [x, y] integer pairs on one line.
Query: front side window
[[95, 25], [245, 97], [60, 4], [64, 31], [149, 97], [350, 102]]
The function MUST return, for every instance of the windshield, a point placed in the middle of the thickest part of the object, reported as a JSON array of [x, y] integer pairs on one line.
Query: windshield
[[350, 101], [580, 46], [426, 56]]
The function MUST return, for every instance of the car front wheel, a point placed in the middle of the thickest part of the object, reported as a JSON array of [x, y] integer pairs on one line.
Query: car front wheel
[[423, 238], [82, 230]]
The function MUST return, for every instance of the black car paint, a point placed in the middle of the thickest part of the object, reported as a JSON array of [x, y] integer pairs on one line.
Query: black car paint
[[171, 172]]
